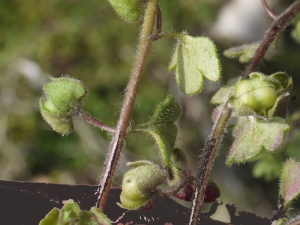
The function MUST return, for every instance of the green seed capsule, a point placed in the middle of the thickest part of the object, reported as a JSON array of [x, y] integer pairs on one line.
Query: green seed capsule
[[61, 124], [131, 197], [140, 183], [65, 94], [256, 94]]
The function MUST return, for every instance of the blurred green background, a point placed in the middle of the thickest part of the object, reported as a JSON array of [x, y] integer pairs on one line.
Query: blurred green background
[[88, 41]]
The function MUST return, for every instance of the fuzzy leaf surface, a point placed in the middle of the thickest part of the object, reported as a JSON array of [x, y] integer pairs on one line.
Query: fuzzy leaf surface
[[244, 53], [194, 59], [65, 93], [162, 128], [224, 93], [290, 182], [253, 136], [128, 10], [71, 214]]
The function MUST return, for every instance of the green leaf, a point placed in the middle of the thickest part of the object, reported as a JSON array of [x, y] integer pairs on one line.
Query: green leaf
[[100, 217], [224, 93], [268, 166], [194, 59], [253, 136], [128, 10], [51, 218], [71, 214], [162, 128], [69, 211], [244, 53], [296, 31], [290, 182]]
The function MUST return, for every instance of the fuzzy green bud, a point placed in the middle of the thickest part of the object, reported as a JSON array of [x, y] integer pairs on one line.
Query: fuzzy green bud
[[60, 124], [62, 96], [65, 93]]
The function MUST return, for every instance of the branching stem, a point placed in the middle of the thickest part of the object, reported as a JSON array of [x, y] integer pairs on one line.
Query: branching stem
[[212, 144], [116, 144]]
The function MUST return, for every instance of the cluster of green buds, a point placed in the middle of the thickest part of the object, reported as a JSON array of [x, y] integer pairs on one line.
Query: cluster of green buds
[[140, 184], [62, 97], [262, 94]]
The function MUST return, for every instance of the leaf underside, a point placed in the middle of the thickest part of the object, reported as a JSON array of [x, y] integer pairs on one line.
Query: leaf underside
[[194, 59]]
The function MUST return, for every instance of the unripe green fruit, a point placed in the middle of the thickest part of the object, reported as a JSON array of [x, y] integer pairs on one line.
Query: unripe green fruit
[[131, 197], [140, 183], [48, 105], [65, 94], [256, 93], [61, 124]]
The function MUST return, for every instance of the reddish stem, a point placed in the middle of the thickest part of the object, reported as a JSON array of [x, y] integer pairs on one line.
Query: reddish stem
[[268, 10]]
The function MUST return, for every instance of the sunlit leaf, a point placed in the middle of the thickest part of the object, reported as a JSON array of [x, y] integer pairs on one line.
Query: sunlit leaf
[[194, 59]]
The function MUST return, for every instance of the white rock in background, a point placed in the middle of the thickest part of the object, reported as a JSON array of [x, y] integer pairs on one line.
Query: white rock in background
[[242, 20]]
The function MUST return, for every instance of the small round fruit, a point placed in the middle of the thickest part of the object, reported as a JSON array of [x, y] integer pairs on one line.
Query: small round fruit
[[256, 94]]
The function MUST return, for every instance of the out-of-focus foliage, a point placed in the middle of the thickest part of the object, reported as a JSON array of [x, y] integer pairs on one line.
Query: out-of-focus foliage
[[84, 39], [88, 41]]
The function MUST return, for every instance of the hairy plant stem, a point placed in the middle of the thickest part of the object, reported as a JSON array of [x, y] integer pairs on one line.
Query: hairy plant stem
[[212, 144], [94, 121], [116, 144], [206, 161]]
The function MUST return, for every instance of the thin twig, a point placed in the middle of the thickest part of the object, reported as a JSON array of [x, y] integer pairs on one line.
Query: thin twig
[[268, 10], [283, 20], [212, 144], [177, 188], [130, 95], [94, 121]]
